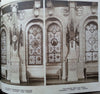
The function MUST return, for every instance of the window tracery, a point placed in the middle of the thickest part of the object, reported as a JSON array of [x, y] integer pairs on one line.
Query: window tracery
[[35, 50], [54, 41], [91, 42], [3, 47]]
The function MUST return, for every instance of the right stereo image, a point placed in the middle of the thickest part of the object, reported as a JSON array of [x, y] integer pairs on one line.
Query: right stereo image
[[71, 41]]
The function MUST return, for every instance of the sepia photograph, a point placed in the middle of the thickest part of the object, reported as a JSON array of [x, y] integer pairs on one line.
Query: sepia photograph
[[22, 43], [72, 42], [49, 46]]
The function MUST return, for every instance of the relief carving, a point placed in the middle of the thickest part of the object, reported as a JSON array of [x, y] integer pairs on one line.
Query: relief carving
[[14, 7], [14, 38], [79, 10], [66, 11], [21, 15], [72, 34], [9, 17], [50, 7], [37, 5]]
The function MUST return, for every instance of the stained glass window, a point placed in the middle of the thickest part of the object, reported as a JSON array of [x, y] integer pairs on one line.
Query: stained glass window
[[35, 50], [3, 48], [54, 43], [91, 42]]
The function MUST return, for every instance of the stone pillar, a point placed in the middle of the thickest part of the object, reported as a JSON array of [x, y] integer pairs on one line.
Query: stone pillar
[[15, 61], [22, 55], [8, 58], [81, 68], [15, 74], [72, 64], [81, 64], [65, 54], [72, 56], [23, 67], [64, 71]]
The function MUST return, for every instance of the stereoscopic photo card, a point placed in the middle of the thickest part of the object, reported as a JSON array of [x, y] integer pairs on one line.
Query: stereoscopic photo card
[[50, 46]]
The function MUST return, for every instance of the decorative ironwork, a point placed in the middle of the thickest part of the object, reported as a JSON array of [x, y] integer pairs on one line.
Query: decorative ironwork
[[35, 49], [3, 48], [54, 43], [91, 42]]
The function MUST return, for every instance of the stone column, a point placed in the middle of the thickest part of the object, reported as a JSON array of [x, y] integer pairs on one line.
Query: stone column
[[15, 61], [64, 71], [15, 74], [65, 53], [22, 55], [8, 57], [22, 65], [81, 64], [72, 64], [72, 56]]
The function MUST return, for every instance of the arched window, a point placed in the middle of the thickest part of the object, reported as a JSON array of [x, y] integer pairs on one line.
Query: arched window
[[3, 48], [91, 42], [35, 45], [54, 43]]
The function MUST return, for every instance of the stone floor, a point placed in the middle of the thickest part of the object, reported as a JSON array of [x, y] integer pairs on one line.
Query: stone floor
[[31, 83], [51, 82], [56, 81]]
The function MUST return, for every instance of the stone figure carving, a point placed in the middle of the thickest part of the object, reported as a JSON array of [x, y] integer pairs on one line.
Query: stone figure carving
[[73, 40], [72, 35], [14, 38], [79, 10]]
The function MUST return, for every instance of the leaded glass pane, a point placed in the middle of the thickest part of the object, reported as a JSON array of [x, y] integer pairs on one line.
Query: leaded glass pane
[[91, 42], [54, 43], [3, 48], [35, 45]]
